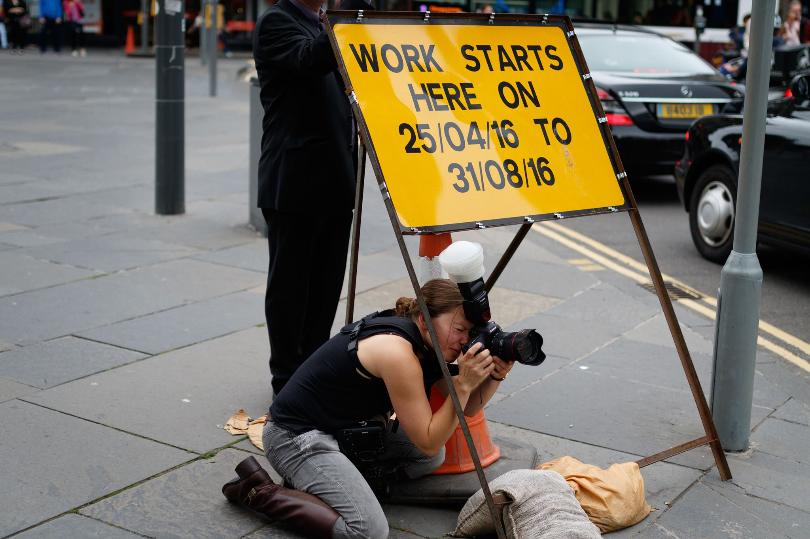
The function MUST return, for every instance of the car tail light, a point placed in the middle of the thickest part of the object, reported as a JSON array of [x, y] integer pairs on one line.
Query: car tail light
[[614, 111], [618, 119], [686, 136], [788, 93]]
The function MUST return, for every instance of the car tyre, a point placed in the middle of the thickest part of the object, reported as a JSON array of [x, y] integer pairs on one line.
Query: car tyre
[[711, 213]]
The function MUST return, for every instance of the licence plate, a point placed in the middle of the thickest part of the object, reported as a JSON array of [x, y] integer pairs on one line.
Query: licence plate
[[676, 111]]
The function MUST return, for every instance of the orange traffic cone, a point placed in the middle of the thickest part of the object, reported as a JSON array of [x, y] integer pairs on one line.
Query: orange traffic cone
[[129, 45], [431, 245], [429, 248], [457, 457]]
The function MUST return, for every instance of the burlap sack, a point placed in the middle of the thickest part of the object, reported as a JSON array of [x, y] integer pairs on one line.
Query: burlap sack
[[612, 498], [533, 505]]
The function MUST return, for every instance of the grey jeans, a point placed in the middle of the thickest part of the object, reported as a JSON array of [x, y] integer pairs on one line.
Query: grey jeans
[[312, 462]]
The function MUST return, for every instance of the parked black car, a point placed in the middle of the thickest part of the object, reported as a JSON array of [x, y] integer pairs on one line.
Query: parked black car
[[706, 177], [652, 88]]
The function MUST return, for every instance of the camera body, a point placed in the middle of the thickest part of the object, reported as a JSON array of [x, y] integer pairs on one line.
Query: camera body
[[484, 334], [464, 263], [523, 346]]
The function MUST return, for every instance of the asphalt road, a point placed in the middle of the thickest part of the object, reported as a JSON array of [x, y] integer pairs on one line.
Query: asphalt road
[[786, 285]]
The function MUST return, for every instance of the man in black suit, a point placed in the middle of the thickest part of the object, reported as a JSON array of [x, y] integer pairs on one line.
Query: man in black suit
[[306, 180]]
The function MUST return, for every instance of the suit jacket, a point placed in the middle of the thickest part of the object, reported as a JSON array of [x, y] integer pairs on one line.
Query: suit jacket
[[307, 160]]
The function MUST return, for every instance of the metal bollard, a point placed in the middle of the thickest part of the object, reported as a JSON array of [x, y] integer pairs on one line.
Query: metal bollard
[[170, 56], [144, 26], [213, 50], [255, 217], [203, 40]]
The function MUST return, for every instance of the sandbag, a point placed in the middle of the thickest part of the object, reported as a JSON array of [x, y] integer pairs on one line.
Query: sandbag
[[532, 505], [612, 498]]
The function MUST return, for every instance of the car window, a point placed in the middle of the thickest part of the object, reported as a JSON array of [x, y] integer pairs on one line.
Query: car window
[[642, 54]]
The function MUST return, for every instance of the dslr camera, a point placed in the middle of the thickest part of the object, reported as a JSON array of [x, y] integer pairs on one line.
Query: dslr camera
[[464, 263]]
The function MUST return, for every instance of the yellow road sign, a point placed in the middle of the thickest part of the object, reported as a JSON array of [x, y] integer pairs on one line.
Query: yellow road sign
[[477, 122]]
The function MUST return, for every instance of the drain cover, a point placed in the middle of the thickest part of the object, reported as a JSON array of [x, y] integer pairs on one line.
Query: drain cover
[[675, 291]]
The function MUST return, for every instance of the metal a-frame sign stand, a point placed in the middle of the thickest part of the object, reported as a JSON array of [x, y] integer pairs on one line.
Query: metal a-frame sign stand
[[710, 437]]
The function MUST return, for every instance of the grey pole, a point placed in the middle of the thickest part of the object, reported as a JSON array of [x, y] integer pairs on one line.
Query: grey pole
[[212, 51], [170, 105], [700, 26], [735, 349], [203, 34], [145, 26]]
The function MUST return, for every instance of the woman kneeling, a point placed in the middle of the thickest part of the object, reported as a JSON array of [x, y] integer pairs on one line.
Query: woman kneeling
[[332, 433]]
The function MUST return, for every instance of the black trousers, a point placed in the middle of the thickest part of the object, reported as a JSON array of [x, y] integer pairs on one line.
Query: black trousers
[[50, 31], [75, 32], [304, 279], [16, 33]]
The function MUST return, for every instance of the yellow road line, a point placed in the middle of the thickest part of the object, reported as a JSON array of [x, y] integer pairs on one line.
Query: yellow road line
[[592, 267], [782, 335], [762, 341], [594, 256], [575, 240], [632, 262]]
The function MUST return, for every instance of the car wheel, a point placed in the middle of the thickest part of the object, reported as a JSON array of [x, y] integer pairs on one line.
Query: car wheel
[[711, 213]]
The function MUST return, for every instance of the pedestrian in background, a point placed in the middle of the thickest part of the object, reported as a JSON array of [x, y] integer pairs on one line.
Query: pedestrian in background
[[796, 29], [3, 35], [306, 180], [74, 13], [50, 19], [18, 21]]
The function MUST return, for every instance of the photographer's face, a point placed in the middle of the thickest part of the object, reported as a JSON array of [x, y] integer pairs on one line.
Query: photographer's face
[[453, 331]]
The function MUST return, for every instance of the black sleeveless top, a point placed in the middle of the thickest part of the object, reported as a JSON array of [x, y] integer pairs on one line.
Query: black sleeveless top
[[331, 390]]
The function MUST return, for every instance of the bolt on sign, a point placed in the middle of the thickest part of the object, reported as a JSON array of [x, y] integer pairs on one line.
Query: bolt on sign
[[473, 121]]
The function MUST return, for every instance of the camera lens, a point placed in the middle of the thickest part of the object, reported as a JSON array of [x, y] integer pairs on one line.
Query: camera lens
[[523, 346]]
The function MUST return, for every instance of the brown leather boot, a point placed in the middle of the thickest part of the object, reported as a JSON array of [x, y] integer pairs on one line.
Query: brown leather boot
[[297, 510], [251, 475]]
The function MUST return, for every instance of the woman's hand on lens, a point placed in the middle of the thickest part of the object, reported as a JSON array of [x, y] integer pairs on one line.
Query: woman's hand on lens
[[501, 368], [475, 366]]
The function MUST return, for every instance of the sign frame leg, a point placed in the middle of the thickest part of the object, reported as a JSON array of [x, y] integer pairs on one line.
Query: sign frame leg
[[355, 245]]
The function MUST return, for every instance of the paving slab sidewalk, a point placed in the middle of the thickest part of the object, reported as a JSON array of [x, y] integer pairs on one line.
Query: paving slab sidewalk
[[127, 339]]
